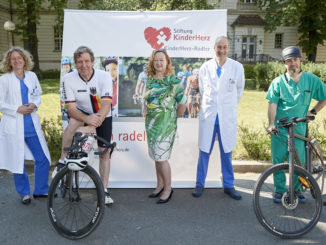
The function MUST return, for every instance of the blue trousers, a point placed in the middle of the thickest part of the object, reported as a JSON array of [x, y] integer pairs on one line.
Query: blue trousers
[[226, 162], [41, 171]]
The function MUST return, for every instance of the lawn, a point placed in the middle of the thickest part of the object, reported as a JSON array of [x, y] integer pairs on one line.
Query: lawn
[[252, 108], [252, 111], [50, 106]]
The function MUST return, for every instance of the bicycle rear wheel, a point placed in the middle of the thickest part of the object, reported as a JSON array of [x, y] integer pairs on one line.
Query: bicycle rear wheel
[[284, 219], [76, 202], [317, 165]]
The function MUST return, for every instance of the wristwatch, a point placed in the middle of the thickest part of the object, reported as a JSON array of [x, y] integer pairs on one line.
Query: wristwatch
[[313, 111]]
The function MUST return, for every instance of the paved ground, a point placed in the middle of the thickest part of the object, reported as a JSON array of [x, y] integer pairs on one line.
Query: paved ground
[[135, 219]]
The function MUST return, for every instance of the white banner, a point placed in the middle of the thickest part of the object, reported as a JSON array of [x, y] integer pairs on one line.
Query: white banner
[[127, 39], [133, 34]]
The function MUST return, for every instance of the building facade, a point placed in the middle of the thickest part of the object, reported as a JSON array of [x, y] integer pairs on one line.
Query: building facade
[[245, 29]]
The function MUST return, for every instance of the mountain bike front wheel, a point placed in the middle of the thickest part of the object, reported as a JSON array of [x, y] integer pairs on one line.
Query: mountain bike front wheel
[[287, 219], [76, 202]]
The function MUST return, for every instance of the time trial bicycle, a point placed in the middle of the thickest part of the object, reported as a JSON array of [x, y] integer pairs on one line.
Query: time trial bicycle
[[76, 194]]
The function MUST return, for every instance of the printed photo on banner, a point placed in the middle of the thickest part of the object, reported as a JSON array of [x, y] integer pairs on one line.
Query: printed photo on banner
[[129, 76], [133, 77]]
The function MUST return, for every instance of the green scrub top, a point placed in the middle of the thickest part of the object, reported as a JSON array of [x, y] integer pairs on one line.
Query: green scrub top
[[293, 100]]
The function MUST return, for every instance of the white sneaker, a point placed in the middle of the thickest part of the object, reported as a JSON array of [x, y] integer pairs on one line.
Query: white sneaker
[[108, 199]]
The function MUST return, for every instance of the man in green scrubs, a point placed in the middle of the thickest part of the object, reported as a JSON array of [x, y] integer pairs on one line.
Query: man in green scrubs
[[289, 95]]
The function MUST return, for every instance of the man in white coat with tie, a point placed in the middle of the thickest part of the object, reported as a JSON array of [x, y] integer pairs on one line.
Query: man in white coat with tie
[[221, 84]]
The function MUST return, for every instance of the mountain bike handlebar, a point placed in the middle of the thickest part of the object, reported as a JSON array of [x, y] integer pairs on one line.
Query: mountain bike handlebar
[[285, 123]]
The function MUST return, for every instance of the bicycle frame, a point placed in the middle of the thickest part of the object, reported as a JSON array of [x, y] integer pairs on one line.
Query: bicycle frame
[[309, 147], [291, 149]]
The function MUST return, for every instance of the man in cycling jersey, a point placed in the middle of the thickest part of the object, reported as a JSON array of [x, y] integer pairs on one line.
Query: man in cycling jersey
[[289, 95], [140, 87], [87, 93], [193, 94]]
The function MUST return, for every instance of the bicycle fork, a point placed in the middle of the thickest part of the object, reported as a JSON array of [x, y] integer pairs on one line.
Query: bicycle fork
[[74, 186]]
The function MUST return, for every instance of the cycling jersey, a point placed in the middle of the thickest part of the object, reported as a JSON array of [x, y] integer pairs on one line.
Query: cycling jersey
[[87, 95], [194, 91], [142, 78]]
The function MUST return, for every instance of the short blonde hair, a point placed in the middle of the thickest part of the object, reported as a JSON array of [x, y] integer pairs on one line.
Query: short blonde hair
[[5, 65], [150, 68]]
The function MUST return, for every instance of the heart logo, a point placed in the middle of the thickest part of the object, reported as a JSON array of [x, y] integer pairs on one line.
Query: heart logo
[[157, 38]]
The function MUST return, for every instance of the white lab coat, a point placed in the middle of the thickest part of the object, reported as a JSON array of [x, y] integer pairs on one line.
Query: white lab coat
[[13, 149], [219, 96]]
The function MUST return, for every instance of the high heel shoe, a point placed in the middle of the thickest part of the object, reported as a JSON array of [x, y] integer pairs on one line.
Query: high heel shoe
[[160, 201], [154, 195]]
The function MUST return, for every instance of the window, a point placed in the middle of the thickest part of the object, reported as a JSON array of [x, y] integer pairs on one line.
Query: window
[[278, 40], [57, 38], [247, 1]]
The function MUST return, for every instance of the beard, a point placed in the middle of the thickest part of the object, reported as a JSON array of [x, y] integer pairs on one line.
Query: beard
[[293, 71]]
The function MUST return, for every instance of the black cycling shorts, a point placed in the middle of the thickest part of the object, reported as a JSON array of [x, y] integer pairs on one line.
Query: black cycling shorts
[[105, 131]]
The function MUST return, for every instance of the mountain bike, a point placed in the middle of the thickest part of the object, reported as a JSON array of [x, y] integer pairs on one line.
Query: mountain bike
[[76, 194], [293, 217]]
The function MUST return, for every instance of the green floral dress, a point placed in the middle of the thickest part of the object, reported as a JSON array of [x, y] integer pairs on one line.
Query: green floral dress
[[162, 97]]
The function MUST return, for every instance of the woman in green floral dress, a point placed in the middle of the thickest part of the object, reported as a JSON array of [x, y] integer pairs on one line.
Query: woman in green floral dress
[[165, 99]]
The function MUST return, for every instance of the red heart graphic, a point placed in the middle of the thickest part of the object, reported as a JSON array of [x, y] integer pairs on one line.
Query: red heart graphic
[[157, 38]]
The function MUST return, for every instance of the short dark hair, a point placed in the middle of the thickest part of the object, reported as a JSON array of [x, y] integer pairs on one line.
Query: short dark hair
[[83, 49]]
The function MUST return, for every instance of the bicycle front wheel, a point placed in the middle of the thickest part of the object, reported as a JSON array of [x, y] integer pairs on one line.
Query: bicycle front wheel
[[76, 202], [287, 220]]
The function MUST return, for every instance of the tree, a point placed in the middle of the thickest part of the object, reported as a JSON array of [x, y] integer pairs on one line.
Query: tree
[[146, 4], [309, 16], [28, 13]]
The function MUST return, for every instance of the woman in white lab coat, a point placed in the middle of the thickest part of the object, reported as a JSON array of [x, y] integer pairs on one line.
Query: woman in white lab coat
[[21, 136]]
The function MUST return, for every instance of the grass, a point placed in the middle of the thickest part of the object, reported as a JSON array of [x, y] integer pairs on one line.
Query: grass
[[252, 110], [50, 106]]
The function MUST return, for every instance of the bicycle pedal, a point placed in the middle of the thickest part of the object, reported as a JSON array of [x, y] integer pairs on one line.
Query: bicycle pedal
[[304, 182]]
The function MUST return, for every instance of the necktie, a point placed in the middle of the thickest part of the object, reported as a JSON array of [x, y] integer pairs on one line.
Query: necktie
[[219, 71]]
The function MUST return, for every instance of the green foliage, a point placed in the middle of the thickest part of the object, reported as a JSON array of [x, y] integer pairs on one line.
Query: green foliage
[[48, 74], [133, 5], [255, 142], [308, 16], [266, 73], [28, 13], [315, 131], [318, 69], [249, 71], [52, 130], [250, 84]]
